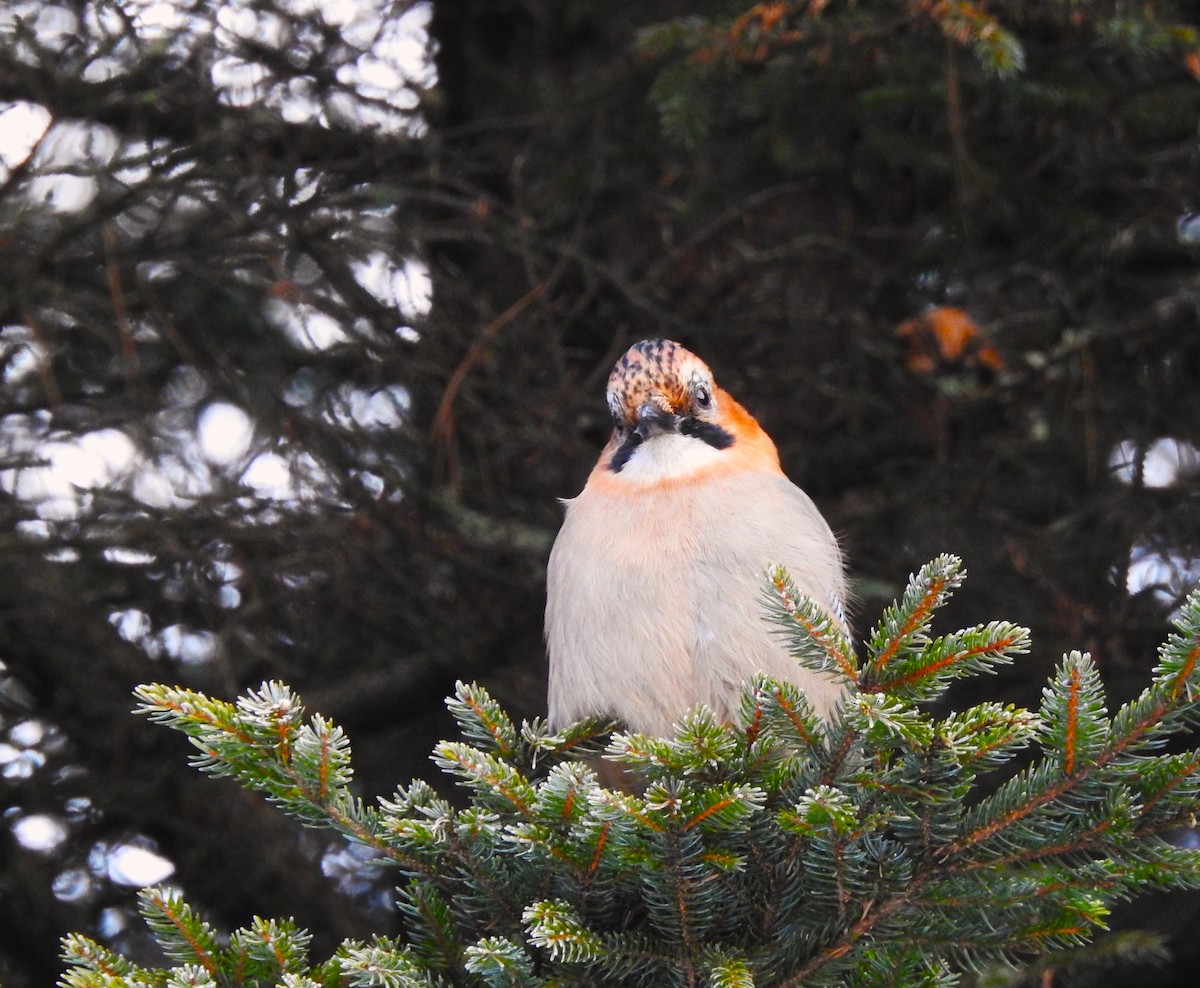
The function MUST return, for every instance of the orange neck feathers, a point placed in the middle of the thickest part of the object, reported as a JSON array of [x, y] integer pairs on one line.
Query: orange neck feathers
[[671, 460]]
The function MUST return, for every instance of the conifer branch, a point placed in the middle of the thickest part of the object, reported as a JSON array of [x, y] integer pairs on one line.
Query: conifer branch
[[788, 851], [905, 623], [816, 639], [182, 935], [305, 769]]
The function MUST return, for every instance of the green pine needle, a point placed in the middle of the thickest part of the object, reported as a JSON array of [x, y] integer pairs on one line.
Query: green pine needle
[[554, 927], [382, 963], [180, 933], [481, 721], [500, 962], [1074, 719], [813, 636], [904, 626], [922, 674]]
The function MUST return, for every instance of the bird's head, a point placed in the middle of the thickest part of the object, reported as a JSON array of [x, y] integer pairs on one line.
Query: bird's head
[[671, 420]]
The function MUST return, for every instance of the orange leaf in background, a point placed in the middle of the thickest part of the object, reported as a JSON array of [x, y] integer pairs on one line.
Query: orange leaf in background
[[771, 14], [766, 18], [946, 336], [767, 15]]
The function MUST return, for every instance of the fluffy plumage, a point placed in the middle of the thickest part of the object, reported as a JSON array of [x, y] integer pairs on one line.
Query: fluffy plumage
[[654, 591]]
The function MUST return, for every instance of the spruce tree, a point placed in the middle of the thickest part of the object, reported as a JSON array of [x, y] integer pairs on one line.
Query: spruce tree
[[881, 848]]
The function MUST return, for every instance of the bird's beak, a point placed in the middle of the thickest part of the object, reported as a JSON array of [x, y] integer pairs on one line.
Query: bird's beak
[[653, 420]]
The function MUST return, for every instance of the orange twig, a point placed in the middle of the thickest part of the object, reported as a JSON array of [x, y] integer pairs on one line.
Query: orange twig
[[120, 307], [445, 452]]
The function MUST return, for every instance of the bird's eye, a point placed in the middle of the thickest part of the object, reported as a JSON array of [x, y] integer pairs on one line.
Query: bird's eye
[[703, 396]]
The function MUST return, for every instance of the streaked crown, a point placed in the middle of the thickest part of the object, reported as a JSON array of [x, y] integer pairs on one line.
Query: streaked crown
[[658, 371]]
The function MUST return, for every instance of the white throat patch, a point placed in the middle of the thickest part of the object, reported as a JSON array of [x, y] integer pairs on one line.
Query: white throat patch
[[667, 457]]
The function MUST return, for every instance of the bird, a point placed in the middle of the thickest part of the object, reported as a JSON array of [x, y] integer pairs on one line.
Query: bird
[[654, 602]]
